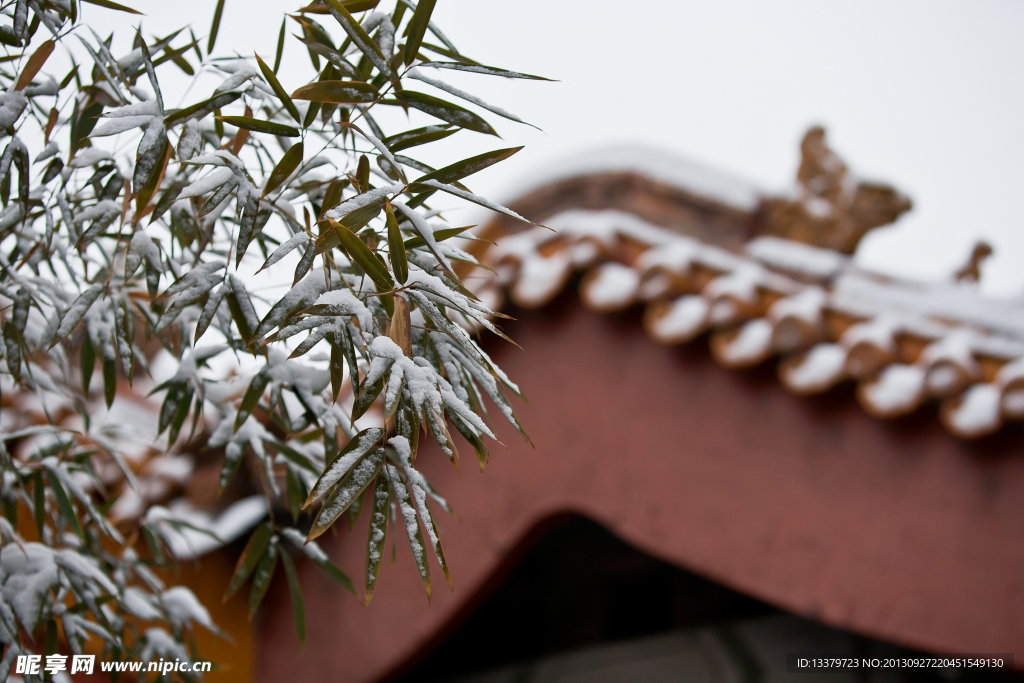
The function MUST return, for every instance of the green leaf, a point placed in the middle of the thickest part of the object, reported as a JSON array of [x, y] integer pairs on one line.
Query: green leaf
[[110, 5], [347, 459], [217, 14], [201, 109], [350, 5], [363, 257], [296, 492], [396, 247], [439, 236], [377, 536], [351, 488], [467, 167], [252, 396], [337, 366], [110, 381], [261, 126], [446, 111], [87, 363], [261, 578], [417, 29], [311, 112], [298, 608], [359, 36], [337, 92], [332, 195], [419, 136], [285, 167], [250, 557], [282, 94], [280, 50], [67, 511]]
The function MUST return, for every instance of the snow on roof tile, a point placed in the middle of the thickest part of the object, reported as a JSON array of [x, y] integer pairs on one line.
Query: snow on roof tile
[[828, 320]]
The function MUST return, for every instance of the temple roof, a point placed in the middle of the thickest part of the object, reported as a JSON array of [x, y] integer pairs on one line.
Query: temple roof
[[766, 277]]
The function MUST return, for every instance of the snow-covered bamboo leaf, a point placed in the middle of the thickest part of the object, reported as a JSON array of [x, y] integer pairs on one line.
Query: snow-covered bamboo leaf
[[359, 36], [481, 69], [347, 491], [354, 451], [305, 263], [77, 311], [446, 111], [377, 537], [463, 95], [249, 558], [412, 528]]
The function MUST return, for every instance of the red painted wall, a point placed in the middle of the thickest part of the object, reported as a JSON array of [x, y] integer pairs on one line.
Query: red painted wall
[[897, 531]]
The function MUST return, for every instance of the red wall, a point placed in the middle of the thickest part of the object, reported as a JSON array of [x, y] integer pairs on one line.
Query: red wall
[[897, 531]]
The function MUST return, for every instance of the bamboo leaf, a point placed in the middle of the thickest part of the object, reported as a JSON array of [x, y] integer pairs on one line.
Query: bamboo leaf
[[261, 578], [87, 363], [295, 491], [201, 109], [359, 36], [419, 136], [217, 14], [467, 167], [260, 126], [285, 167], [337, 92], [363, 257], [352, 487], [401, 326], [347, 459], [439, 236], [446, 111], [377, 536], [396, 247], [412, 528], [34, 64], [480, 69], [252, 396], [295, 590], [282, 94], [247, 562], [110, 5], [110, 381], [417, 29], [280, 49], [67, 511]]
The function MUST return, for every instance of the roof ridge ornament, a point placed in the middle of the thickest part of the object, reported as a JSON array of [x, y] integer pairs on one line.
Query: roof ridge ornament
[[831, 208]]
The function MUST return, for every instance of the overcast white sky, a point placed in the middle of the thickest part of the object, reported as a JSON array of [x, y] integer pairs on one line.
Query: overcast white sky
[[925, 94]]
